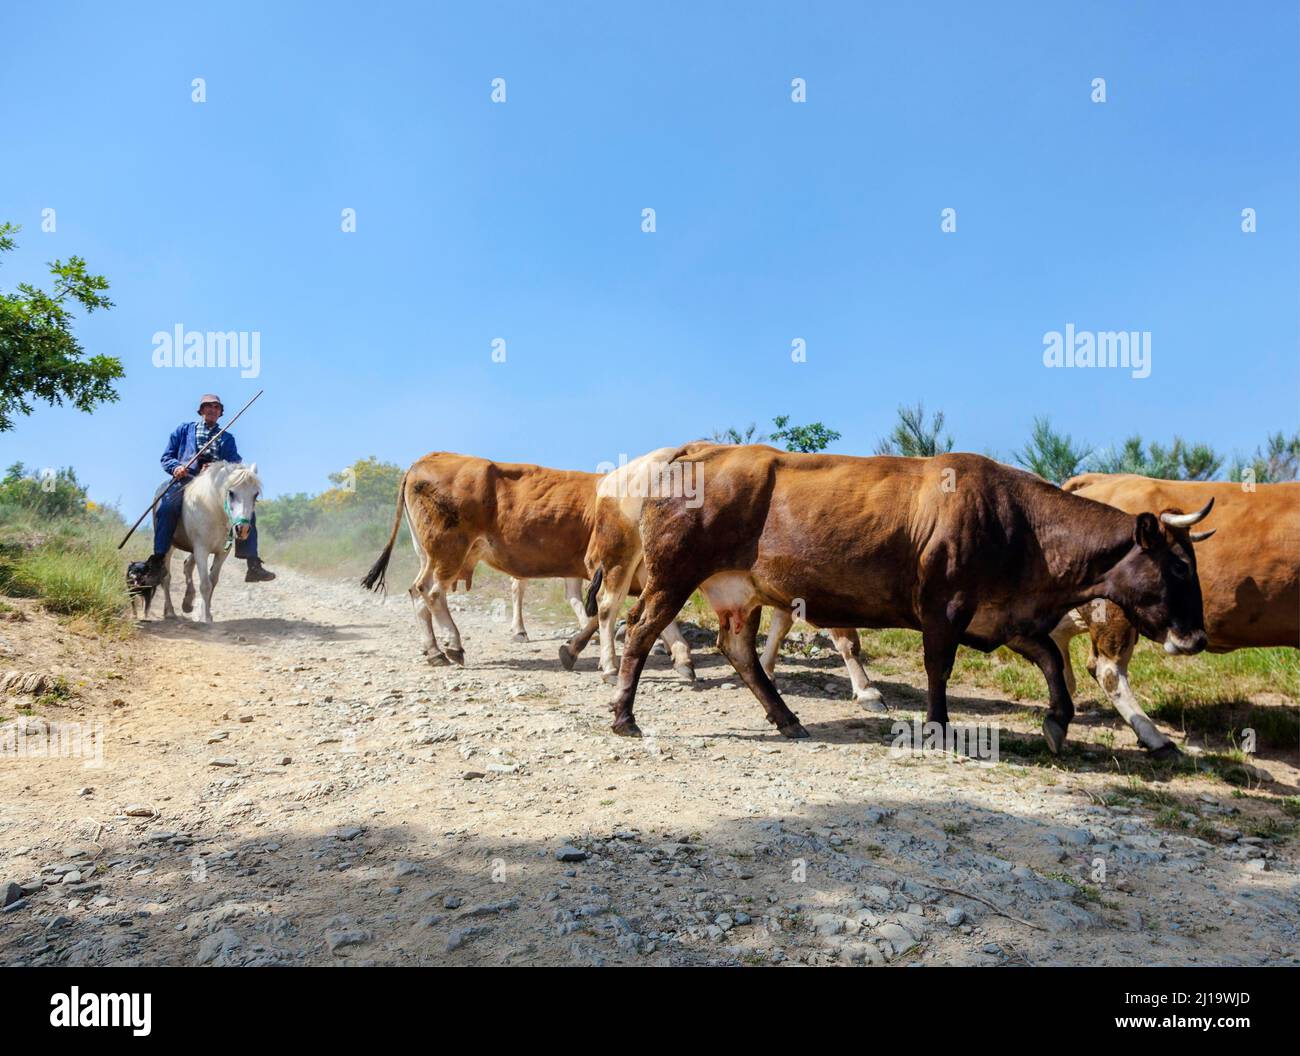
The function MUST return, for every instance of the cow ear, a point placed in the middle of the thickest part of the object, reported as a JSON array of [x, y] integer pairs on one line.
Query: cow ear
[[1146, 532]]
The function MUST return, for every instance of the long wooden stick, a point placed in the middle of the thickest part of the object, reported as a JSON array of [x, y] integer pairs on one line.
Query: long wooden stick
[[216, 436]]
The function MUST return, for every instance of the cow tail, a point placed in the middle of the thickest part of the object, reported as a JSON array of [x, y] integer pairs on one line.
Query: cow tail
[[590, 607], [374, 579]]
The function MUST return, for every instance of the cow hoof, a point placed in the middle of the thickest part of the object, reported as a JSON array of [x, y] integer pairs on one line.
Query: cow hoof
[[456, 656], [567, 659], [437, 660], [792, 729], [1167, 751], [1054, 734], [610, 678], [871, 700], [627, 729], [687, 671], [520, 636]]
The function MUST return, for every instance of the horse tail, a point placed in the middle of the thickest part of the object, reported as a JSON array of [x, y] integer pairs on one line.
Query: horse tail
[[590, 607], [374, 579]]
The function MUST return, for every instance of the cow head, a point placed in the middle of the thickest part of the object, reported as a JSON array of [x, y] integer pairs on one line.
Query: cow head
[[1156, 584]]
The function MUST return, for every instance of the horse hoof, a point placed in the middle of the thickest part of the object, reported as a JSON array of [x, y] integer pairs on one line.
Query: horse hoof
[[627, 729], [187, 605], [610, 678], [1166, 751], [456, 656], [687, 671], [567, 659], [1054, 734], [520, 636], [437, 660], [793, 730], [871, 700]]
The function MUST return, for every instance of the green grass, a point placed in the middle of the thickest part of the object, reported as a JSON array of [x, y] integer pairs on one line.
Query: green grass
[[72, 565]]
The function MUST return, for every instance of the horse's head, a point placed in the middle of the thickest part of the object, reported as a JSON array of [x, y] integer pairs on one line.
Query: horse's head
[[242, 488]]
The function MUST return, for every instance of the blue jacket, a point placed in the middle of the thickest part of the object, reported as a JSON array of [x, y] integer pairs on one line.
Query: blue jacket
[[181, 447]]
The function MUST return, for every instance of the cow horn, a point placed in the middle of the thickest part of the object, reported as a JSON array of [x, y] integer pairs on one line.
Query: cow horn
[[1200, 537], [1186, 520]]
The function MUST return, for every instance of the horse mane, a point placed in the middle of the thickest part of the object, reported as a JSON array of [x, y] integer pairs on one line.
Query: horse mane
[[237, 475]]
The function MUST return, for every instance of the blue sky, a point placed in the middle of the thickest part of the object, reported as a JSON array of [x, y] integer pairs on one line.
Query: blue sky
[[775, 220]]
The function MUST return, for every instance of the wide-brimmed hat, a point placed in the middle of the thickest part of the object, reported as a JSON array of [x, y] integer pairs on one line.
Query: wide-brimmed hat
[[211, 397]]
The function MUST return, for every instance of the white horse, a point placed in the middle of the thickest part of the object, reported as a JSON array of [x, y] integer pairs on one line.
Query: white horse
[[217, 508]]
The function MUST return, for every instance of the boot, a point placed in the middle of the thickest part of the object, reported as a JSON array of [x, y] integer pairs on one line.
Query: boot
[[153, 571], [258, 572]]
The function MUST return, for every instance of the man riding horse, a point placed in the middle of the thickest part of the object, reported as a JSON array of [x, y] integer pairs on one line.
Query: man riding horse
[[186, 440]]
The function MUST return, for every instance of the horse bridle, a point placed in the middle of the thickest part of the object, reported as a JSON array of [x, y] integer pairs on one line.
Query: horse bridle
[[235, 522]]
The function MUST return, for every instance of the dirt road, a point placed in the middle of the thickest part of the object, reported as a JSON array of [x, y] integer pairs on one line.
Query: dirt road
[[294, 785]]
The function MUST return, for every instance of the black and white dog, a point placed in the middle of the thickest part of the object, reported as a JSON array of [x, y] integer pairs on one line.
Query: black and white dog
[[140, 584]]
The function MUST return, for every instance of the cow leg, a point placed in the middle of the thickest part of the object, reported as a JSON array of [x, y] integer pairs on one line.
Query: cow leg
[[429, 641], [1072, 623], [613, 592], [187, 602], [680, 650], [1108, 656], [165, 585], [939, 638], [517, 601], [1042, 651], [849, 646], [442, 614], [569, 650], [653, 612], [573, 595], [782, 621], [419, 592], [736, 641]]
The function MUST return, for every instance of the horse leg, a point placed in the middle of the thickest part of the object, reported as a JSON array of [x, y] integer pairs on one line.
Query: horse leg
[[849, 646], [165, 585], [517, 617], [200, 560], [218, 560], [187, 602]]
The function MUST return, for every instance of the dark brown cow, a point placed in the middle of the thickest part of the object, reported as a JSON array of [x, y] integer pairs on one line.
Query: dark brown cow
[[529, 522], [961, 548], [1249, 573]]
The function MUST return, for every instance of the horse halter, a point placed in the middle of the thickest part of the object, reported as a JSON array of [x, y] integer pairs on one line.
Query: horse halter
[[235, 522]]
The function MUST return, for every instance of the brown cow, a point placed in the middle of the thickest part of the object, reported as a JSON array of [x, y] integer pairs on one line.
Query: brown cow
[[961, 548], [527, 521], [1249, 573], [615, 564]]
